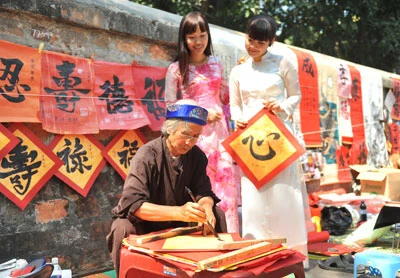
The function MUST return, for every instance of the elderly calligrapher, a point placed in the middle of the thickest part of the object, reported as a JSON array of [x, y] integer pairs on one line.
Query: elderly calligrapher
[[154, 196]]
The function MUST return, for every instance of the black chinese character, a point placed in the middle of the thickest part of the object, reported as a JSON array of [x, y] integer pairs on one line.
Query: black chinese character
[[22, 167], [114, 94], [74, 157], [152, 99], [11, 74], [342, 75], [354, 89], [271, 152], [308, 67], [66, 97], [128, 151]]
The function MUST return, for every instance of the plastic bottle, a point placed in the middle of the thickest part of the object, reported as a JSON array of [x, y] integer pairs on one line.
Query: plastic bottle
[[57, 271], [363, 212]]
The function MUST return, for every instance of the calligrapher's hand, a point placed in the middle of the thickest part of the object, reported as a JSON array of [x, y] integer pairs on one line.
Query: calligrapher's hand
[[213, 116], [192, 212], [239, 124], [272, 105], [212, 220]]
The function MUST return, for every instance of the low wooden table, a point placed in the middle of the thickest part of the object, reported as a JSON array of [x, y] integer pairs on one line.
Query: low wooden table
[[134, 264]]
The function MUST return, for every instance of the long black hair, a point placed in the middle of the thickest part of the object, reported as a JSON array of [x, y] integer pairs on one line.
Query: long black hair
[[189, 25], [262, 28]]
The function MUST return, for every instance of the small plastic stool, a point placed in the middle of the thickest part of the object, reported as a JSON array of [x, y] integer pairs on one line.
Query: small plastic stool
[[387, 263]]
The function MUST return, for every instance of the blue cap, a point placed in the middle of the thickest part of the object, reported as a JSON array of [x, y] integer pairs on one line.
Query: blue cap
[[187, 112]]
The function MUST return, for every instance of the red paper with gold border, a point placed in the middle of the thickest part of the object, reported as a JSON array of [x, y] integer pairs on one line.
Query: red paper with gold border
[[122, 149], [7, 141], [309, 105], [67, 95], [149, 88], [20, 68], [272, 147], [82, 158], [27, 167], [116, 103]]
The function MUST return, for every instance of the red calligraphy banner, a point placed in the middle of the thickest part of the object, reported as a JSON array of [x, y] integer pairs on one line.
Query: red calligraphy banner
[[120, 151], [149, 88], [27, 167], [82, 158], [342, 161], [116, 103], [396, 92], [358, 151], [309, 106], [7, 141], [20, 68], [395, 137], [264, 148], [67, 103]]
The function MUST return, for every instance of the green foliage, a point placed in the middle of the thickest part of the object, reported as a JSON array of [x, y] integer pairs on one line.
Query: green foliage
[[366, 32]]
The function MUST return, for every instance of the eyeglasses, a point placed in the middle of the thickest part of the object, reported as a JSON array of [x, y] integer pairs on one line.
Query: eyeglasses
[[189, 137]]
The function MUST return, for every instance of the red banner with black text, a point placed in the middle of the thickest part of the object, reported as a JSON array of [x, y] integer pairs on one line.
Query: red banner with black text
[[67, 95], [309, 106], [20, 75]]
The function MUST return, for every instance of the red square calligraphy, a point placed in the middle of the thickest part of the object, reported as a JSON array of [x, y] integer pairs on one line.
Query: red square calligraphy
[[82, 158], [122, 149], [7, 141], [264, 148], [27, 167]]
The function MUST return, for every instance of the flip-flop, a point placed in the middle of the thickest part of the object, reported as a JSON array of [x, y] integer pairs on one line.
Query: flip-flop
[[349, 259], [342, 263]]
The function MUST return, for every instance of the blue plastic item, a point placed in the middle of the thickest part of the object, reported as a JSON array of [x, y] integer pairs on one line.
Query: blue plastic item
[[378, 264]]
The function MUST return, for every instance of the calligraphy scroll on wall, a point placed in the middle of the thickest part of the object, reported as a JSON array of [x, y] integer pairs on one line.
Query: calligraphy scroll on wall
[[27, 167], [328, 106], [396, 93], [67, 104], [309, 108], [120, 151], [344, 94], [395, 137], [394, 96], [82, 160], [116, 103], [358, 152], [372, 88], [20, 68], [264, 148], [328, 114], [150, 89]]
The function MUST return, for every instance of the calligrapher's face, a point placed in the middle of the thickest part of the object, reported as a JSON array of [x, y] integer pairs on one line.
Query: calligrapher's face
[[184, 138]]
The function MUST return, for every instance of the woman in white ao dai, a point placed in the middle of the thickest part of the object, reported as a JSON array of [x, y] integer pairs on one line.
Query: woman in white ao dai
[[267, 80]]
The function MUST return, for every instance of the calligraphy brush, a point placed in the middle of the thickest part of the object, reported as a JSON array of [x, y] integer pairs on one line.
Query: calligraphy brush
[[208, 222]]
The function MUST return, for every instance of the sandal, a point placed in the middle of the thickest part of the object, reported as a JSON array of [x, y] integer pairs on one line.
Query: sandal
[[342, 263]]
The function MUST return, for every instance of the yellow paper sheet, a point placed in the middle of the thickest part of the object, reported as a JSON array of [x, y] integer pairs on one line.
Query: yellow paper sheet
[[197, 242]]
